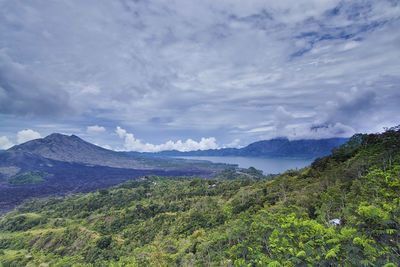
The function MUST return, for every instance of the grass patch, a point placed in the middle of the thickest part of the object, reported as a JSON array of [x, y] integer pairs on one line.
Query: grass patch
[[32, 177]]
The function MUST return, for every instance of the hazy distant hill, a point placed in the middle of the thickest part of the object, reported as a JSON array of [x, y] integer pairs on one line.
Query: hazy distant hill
[[282, 147], [279, 147]]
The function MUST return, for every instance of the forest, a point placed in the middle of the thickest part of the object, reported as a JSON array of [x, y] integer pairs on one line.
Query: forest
[[342, 210]]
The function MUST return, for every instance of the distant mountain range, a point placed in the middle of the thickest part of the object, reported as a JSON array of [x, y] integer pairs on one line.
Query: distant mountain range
[[279, 147]]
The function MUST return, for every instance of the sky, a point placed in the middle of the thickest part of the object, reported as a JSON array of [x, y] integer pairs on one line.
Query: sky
[[151, 75]]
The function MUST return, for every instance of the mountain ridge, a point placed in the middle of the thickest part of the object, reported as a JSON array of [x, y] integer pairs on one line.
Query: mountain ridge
[[277, 147]]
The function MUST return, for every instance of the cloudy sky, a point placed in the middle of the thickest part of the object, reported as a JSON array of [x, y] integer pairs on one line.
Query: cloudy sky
[[149, 75]]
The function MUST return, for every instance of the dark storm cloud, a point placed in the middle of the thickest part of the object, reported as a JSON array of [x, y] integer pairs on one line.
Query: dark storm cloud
[[23, 94], [355, 104]]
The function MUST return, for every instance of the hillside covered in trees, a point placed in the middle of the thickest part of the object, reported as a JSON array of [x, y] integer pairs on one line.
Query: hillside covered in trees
[[343, 210]]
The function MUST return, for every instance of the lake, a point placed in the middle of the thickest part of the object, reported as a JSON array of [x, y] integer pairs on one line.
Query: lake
[[267, 165]]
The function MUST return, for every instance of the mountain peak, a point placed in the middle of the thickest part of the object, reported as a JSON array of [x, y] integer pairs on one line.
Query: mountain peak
[[55, 135], [71, 148], [55, 145], [58, 136]]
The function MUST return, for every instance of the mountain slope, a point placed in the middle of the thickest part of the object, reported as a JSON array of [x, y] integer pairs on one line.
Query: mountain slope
[[343, 210], [74, 149]]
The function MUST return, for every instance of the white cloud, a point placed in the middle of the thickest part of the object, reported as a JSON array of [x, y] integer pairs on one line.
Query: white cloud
[[261, 129], [95, 129], [5, 143], [106, 147], [235, 143], [133, 144], [350, 45], [121, 132], [311, 131], [27, 135]]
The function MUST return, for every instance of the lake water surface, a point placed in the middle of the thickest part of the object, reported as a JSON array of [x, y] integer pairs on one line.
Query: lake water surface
[[267, 165]]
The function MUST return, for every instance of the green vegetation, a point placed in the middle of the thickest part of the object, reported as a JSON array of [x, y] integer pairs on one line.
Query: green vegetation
[[290, 220], [237, 174], [32, 177]]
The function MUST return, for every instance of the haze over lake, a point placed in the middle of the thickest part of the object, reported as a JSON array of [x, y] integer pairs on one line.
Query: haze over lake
[[267, 165]]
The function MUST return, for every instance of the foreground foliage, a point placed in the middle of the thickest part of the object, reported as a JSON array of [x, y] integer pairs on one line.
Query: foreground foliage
[[290, 220]]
